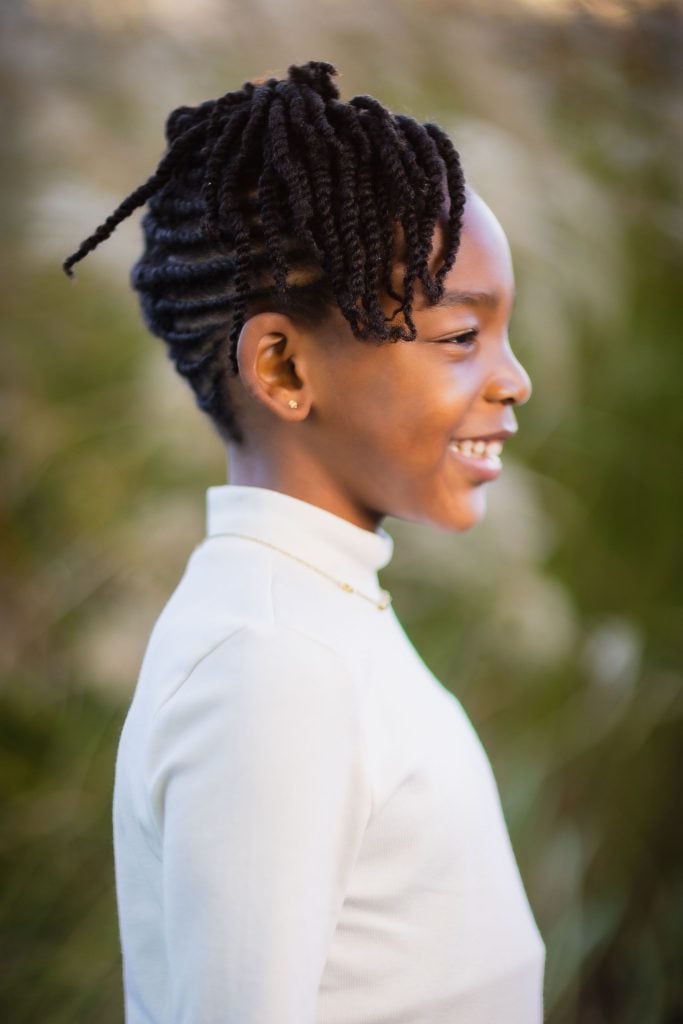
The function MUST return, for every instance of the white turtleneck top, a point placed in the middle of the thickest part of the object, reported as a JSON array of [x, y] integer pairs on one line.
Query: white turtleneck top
[[306, 827]]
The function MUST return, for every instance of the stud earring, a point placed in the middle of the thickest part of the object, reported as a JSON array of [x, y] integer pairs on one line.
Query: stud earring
[[293, 404]]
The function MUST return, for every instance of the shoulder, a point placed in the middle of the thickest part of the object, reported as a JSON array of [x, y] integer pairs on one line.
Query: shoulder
[[258, 668], [265, 700]]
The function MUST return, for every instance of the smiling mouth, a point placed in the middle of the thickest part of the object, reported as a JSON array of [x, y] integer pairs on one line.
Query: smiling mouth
[[477, 449]]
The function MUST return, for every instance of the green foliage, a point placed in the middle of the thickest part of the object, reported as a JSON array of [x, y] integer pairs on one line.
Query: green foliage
[[557, 622], [59, 939]]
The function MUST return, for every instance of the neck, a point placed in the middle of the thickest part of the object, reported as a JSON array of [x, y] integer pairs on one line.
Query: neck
[[288, 470]]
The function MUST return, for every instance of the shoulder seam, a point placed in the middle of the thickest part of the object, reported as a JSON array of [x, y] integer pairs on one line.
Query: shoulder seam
[[284, 627], [157, 712], [292, 631], [320, 644], [191, 671]]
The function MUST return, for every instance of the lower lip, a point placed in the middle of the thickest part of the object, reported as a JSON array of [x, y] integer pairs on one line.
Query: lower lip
[[483, 467]]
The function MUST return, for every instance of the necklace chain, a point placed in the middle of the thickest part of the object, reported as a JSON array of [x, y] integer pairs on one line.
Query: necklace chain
[[382, 604]]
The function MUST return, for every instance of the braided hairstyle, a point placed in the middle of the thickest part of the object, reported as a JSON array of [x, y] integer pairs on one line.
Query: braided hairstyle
[[280, 197]]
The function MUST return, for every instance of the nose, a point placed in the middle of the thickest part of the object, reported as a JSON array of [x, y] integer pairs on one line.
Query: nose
[[509, 383]]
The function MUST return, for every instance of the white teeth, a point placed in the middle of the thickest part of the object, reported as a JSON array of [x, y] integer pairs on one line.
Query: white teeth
[[477, 449]]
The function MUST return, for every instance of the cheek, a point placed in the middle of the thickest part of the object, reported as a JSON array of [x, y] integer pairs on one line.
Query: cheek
[[460, 382], [382, 405]]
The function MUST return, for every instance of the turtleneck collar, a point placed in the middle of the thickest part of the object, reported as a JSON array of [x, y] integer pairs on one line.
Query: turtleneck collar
[[312, 534]]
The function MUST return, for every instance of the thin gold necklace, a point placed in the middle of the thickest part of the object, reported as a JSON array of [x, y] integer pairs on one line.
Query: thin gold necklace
[[382, 604]]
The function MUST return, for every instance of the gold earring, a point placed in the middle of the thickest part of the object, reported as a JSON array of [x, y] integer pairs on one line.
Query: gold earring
[[293, 404]]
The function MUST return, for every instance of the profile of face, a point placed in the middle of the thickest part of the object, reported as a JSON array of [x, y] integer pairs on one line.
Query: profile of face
[[415, 429]]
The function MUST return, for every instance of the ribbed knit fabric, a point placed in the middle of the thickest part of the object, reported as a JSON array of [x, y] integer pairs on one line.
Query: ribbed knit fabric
[[307, 830]]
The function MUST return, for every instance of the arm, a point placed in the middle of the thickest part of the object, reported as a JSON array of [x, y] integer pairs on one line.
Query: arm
[[261, 796]]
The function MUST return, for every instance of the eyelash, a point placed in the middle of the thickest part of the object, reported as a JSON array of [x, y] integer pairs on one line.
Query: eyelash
[[466, 337]]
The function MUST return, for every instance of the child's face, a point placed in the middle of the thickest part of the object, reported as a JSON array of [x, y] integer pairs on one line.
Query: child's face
[[391, 419]]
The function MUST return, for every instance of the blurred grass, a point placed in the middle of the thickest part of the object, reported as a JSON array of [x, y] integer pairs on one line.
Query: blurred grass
[[59, 939], [558, 621]]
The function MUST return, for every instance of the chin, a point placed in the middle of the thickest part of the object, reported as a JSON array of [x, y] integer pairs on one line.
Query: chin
[[468, 513]]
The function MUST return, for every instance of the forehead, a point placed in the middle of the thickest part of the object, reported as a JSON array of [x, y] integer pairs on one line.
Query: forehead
[[482, 270]]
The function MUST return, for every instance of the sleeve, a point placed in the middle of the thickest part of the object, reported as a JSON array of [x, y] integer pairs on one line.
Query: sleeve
[[261, 795]]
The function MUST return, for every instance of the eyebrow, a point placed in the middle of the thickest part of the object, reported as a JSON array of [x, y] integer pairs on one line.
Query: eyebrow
[[456, 297], [460, 298]]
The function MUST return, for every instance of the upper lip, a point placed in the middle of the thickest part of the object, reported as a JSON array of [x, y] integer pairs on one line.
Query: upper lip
[[500, 435]]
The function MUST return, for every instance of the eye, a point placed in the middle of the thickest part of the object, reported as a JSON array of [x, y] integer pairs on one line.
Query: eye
[[465, 339]]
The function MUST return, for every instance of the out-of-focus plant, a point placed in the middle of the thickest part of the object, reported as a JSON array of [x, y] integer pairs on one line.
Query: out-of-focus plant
[[557, 622]]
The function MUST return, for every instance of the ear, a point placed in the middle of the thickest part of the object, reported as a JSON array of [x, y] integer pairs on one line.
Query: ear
[[271, 357]]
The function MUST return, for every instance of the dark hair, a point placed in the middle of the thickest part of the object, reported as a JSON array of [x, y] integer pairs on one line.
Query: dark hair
[[281, 197]]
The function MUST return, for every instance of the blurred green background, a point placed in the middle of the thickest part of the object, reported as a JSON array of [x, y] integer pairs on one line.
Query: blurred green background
[[558, 622]]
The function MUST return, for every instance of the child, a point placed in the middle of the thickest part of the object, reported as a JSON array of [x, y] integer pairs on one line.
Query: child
[[306, 826]]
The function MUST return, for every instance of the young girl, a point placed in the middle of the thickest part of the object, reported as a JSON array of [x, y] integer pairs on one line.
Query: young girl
[[306, 826]]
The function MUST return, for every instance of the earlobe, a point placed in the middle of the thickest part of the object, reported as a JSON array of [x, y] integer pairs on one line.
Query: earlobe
[[271, 363]]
